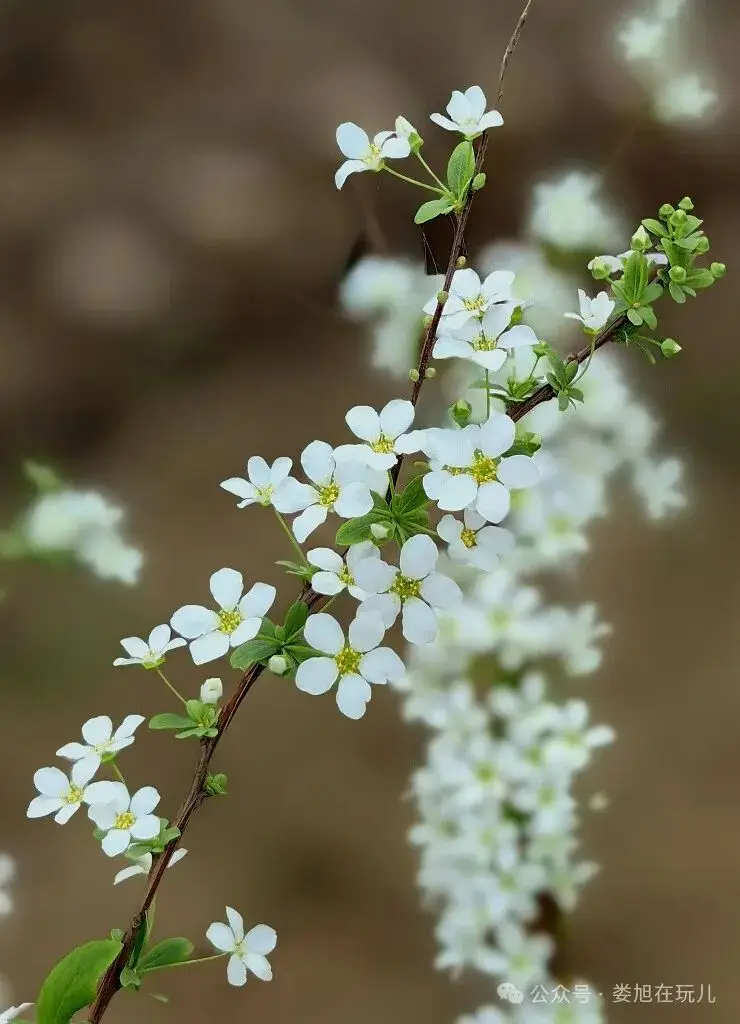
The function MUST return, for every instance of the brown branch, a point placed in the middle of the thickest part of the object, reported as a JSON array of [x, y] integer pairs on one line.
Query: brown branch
[[110, 983]]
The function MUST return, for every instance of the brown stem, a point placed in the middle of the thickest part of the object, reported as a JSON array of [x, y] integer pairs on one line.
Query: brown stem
[[109, 983]]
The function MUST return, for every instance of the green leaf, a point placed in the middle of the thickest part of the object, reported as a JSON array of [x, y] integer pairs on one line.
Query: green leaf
[[655, 227], [700, 278], [413, 496], [676, 292], [635, 277], [166, 720], [295, 620], [634, 316], [434, 208], [259, 649], [301, 652], [356, 530], [653, 292], [649, 317], [73, 982], [296, 569], [129, 978], [460, 169], [165, 953]]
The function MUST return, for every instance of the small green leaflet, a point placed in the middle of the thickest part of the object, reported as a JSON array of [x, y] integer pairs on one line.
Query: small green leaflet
[[73, 982], [164, 954], [434, 208], [461, 169]]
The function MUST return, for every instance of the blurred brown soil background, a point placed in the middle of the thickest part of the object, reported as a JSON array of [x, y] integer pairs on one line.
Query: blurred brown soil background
[[171, 242]]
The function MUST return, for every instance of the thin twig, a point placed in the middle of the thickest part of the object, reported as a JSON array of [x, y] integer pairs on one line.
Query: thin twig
[[110, 983]]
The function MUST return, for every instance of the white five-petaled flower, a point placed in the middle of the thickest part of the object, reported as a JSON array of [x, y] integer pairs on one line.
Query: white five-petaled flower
[[123, 817], [266, 484], [101, 740], [335, 573], [338, 484], [594, 312], [355, 662], [248, 952], [143, 865], [468, 114], [239, 617], [485, 341], [12, 1012], [469, 297], [383, 432], [473, 541], [364, 155], [415, 589], [149, 653], [62, 796], [468, 470]]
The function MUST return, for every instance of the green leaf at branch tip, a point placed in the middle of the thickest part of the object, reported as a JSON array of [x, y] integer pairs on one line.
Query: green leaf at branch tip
[[73, 982], [215, 785], [167, 720], [165, 954], [297, 569], [261, 648], [43, 478], [434, 208], [655, 227], [295, 620], [461, 169], [412, 497]]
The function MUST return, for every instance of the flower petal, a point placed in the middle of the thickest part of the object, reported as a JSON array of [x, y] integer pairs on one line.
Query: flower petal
[[135, 647], [51, 782], [518, 471], [395, 149], [40, 806], [221, 936], [242, 489], [258, 600], [353, 142], [317, 460], [325, 558], [456, 492], [194, 620], [209, 647], [348, 167], [146, 827], [116, 841], [144, 801], [308, 521], [354, 500], [97, 730], [261, 939], [73, 751], [258, 471], [353, 693], [227, 586], [374, 575], [128, 726], [323, 632], [316, 675], [259, 966], [382, 666], [365, 631], [236, 923], [364, 422], [440, 591], [292, 496], [326, 583], [246, 630], [419, 622], [497, 435], [236, 971], [493, 501], [396, 417], [159, 637], [387, 606], [418, 556]]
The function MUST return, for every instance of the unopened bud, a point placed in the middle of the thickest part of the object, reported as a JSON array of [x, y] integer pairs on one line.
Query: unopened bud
[[702, 245], [430, 373], [640, 240], [686, 204], [665, 211], [277, 665], [460, 412], [427, 321], [678, 218], [600, 270], [211, 691], [413, 376], [670, 348], [380, 531], [478, 182], [718, 270], [461, 262], [442, 297], [677, 274]]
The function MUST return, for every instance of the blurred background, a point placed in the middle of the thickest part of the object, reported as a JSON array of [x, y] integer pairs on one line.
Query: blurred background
[[171, 244]]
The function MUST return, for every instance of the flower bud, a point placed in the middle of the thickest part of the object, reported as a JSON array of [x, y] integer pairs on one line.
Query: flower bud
[[665, 211], [380, 531], [427, 321], [460, 412], [277, 665], [461, 262], [430, 373], [599, 268], [640, 240], [718, 270], [405, 130], [678, 218], [686, 204], [478, 181], [413, 376], [670, 348], [442, 297], [702, 245], [677, 274], [211, 691]]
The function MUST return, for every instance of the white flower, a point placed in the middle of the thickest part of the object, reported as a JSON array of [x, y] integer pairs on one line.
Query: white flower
[[470, 297], [642, 39], [62, 796], [485, 341], [212, 633], [211, 691], [473, 542], [143, 865], [339, 486], [405, 129], [101, 740], [12, 1012], [248, 952], [382, 432], [659, 486], [123, 817], [594, 312], [415, 589], [684, 98], [569, 213], [468, 115], [468, 471], [265, 484], [149, 653], [335, 573], [364, 155], [355, 664]]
